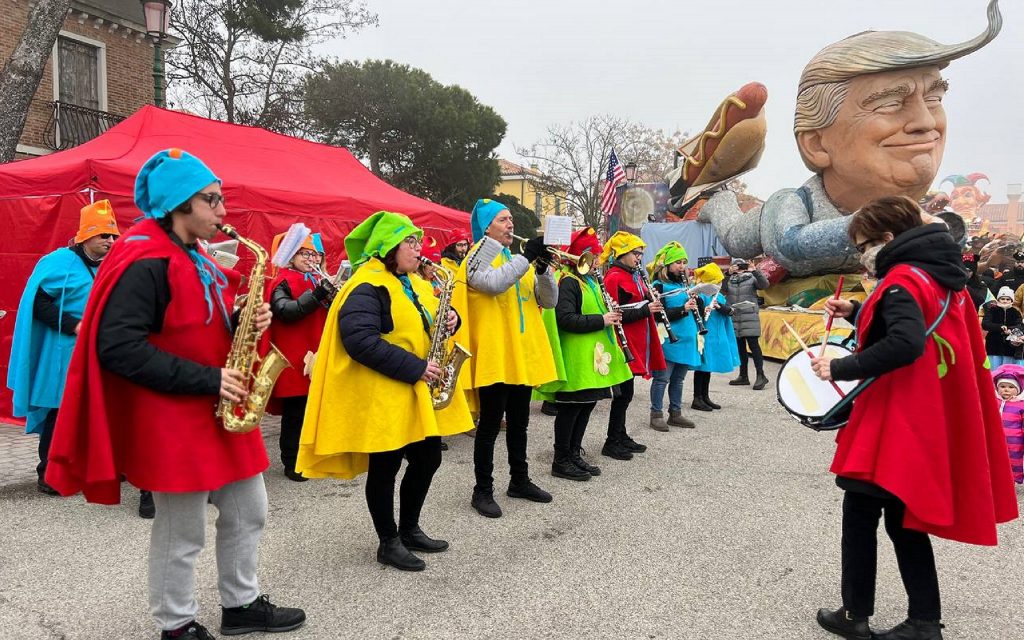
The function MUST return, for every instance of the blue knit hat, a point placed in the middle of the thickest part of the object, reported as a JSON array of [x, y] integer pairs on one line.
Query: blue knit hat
[[168, 179], [484, 213]]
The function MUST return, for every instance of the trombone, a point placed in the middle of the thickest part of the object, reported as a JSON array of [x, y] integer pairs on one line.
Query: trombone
[[583, 263]]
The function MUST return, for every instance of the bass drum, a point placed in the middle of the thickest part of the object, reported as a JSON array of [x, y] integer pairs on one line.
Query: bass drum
[[815, 403]]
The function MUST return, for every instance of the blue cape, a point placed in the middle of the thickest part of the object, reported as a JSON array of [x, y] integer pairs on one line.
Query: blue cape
[[721, 354], [40, 355]]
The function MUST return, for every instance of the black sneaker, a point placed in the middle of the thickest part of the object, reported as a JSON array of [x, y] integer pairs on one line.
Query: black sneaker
[[615, 450], [294, 476], [260, 615], [841, 623], [631, 445], [147, 509], [567, 469], [45, 488], [483, 502], [528, 491], [911, 629], [191, 631]]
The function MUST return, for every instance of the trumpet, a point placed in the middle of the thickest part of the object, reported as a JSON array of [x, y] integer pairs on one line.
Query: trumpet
[[583, 263]]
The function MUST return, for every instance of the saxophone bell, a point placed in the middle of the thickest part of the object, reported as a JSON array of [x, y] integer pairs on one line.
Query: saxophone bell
[[443, 389]]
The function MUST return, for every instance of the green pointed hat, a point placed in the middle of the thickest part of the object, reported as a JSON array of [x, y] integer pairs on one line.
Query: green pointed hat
[[377, 236]]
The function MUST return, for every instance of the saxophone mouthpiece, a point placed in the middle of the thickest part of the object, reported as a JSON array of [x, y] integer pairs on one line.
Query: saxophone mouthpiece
[[228, 230]]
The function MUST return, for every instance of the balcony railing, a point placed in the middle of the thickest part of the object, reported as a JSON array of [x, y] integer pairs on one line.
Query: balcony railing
[[70, 125]]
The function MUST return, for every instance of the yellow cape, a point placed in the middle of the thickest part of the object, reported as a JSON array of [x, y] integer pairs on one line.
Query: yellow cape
[[505, 348], [353, 410]]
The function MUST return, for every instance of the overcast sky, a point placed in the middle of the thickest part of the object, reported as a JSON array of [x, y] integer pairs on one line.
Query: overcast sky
[[667, 64]]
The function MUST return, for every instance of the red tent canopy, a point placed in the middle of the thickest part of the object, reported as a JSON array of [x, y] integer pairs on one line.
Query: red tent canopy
[[270, 181]]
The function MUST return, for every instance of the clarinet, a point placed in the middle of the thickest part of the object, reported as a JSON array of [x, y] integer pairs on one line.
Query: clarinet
[[653, 296], [619, 331], [698, 317]]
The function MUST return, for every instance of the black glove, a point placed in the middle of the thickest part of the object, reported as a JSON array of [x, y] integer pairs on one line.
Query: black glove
[[323, 291], [534, 248]]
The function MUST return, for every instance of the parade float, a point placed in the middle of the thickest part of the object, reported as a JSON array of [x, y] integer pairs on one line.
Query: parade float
[[868, 123]]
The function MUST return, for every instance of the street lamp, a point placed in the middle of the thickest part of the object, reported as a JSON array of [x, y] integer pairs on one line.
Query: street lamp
[[630, 170], [158, 21]]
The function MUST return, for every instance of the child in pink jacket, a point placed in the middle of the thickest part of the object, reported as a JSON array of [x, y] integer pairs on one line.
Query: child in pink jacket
[[1009, 380]]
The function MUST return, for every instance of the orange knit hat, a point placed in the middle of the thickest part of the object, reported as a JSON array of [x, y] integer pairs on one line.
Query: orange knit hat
[[95, 219]]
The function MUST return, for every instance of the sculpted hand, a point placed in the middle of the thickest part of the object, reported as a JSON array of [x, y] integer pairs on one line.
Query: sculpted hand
[[453, 319], [822, 367], [432, 373], [232, 385], [839, 308], [263, 317], [612, 317]]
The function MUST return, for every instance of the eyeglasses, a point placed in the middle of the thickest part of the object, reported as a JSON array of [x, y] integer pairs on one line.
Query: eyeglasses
[[413, 242], [307, 254], [638, 254], [107, 236], [864, 246], [462, 244], [212, 199]]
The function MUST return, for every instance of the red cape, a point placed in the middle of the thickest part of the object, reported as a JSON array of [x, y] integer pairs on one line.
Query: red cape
[[109, 426], [642, 335], [295, 339], [930, 432]]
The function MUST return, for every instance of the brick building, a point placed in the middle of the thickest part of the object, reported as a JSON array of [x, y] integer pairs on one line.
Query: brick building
[[103, 65]]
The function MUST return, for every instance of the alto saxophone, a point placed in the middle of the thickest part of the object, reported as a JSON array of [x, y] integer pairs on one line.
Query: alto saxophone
[[442, 390], [244, 417]]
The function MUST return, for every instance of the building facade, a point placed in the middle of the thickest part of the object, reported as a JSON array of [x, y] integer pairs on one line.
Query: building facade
[[520, 182], [100, 71]]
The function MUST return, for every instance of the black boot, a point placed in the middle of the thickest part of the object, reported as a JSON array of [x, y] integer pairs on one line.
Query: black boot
[[577, 459], [841, 623], [614, 449], [699, 405], [191, 631], [260, 615], [761, 382], [563, 467], [483, 502], [911, 629], [147, 509], [707, 401], [415, 540], [740, 380], [631, 445], [526, 490], [393, 553]]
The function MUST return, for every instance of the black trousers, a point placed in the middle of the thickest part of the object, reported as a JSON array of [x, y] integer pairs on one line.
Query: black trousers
[[701, 384], [293, 410], [45, 438], [861, 513], [570, 425], [755, 351], [497, 401], [424, 458], [617, 412]]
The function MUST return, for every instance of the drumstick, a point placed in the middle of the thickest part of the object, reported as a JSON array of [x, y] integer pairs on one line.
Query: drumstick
[[810, 354], [828, 323]]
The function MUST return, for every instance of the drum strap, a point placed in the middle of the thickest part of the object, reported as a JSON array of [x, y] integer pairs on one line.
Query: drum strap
[[856, 391]]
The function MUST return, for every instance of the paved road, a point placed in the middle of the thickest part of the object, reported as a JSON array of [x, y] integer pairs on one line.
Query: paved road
[[727, 531]]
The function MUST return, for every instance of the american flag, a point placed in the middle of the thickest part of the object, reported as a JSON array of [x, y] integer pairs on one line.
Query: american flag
[[614, 177]]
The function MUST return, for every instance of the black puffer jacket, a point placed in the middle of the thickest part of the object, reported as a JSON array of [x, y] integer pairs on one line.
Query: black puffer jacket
[[995, 319]]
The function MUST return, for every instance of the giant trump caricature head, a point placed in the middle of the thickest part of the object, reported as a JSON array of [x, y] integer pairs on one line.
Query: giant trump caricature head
[[869, 114]]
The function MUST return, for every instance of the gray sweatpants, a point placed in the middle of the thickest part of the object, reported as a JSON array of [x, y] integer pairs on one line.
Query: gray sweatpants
[[179, 534]]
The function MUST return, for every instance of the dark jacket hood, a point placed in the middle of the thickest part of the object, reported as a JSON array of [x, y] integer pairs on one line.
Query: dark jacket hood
[[929, 248]]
